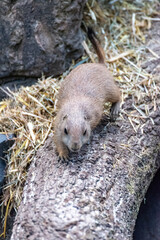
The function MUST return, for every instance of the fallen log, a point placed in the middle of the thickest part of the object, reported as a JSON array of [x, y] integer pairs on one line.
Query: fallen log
[[97, 193]]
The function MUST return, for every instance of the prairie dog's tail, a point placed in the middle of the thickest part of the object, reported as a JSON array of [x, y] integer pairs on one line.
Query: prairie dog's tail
[[96, 44]]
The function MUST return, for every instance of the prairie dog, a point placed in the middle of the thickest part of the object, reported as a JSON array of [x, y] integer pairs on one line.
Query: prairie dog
[[81, 100]]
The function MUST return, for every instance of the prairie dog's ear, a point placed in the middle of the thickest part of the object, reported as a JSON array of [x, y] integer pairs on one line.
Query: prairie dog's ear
[[65, 117]]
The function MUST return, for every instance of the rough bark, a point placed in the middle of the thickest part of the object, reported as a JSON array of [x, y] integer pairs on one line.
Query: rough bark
[[148, 220], [39, 37], [152, 64], [95, 195]]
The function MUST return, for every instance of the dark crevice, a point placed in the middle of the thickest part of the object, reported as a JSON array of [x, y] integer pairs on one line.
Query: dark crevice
[[148, 220]]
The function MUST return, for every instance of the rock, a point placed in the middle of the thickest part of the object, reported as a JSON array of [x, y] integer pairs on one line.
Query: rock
[[39, 37], [5, 143], [2, 168]]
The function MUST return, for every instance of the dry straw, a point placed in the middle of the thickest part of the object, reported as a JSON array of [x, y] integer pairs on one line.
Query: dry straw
[[29, 113]]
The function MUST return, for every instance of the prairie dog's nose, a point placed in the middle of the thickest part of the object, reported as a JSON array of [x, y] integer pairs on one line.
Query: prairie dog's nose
[[75, 147]]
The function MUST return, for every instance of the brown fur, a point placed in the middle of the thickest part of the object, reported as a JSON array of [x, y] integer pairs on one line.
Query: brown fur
[[80, 104]]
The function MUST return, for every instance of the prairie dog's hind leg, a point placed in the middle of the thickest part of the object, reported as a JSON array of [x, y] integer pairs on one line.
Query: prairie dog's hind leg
[[115, 109]]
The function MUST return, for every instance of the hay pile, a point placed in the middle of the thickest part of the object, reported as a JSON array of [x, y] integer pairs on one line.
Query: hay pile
[[29, 113]]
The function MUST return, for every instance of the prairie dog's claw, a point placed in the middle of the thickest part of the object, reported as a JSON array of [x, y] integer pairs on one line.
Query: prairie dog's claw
[[62, 157]]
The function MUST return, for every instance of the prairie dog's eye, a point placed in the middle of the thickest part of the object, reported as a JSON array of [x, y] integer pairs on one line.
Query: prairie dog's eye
[[84, 133], [65, 131]]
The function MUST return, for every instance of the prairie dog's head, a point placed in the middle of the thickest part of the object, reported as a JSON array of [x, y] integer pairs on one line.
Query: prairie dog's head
[[75, 131]]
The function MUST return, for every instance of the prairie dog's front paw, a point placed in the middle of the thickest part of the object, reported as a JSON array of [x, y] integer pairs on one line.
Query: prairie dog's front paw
[[63, 152]]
